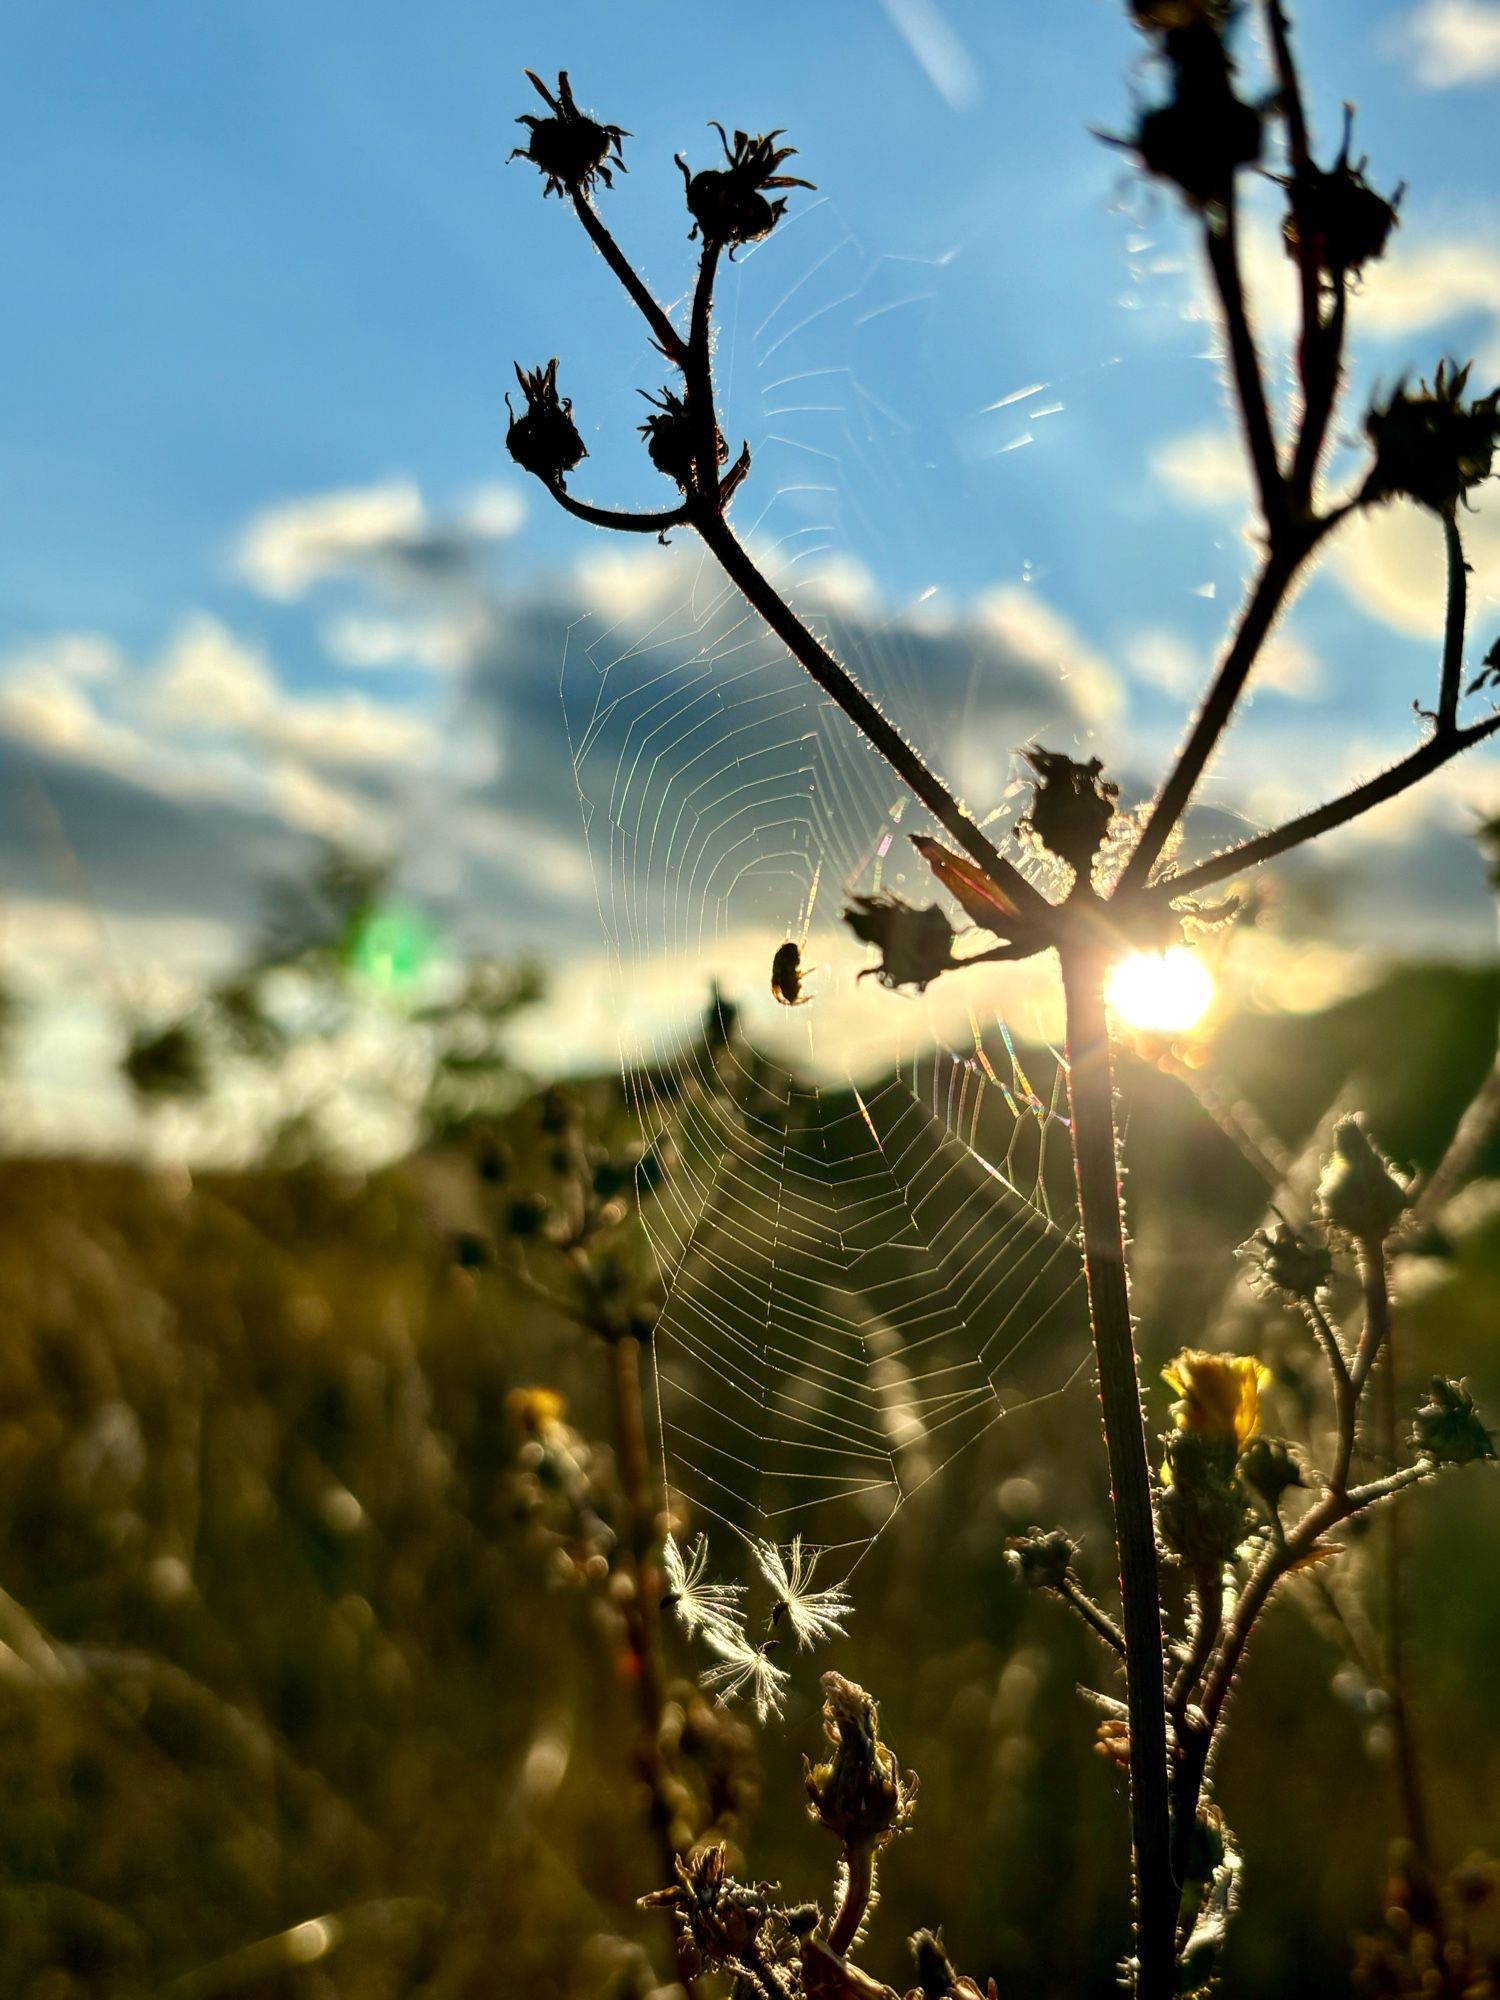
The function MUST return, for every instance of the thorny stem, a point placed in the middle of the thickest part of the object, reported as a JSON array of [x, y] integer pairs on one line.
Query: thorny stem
[[1091, 1103], [839, 685], [1208, 1617], [859, 1884], [700, 381], [667, 338], [1222, 243], [1343, 1392]]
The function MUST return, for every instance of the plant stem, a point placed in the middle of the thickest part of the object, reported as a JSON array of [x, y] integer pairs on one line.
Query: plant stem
[[1430, 756], [1222, 243], [667, 338], [1265, 601], [642, 1614], [1453, 628], [859, 1883], [1091, 1103], [838, 684]]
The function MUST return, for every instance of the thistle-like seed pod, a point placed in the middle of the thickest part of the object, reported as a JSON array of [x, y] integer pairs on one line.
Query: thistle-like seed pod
[[1290, 1260], [1342, 218], [859, 1794], [544, 439], [728, 204], [1448, 1429], [570, 149], [1432, 446], [668, 432], [1042, 1558], [1072, 807]]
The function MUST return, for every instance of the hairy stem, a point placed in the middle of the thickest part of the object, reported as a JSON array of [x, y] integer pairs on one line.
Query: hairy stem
[[1430, 756], [1222, 243], [838, 684], [667, 338], [859, 1886], [1451, 679], [1265, 601], [642, 1615], [1097, 1619], [1091, 1102], [617, 518]]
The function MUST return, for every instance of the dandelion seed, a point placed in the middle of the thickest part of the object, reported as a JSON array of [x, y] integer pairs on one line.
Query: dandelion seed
[[812, 1614], [709, 1608], [743, 1668]]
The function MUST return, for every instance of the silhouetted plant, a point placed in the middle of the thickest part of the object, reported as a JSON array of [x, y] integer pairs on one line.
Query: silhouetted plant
[[1237, 1510]]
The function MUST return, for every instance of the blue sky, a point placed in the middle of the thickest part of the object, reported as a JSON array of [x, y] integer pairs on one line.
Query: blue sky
[[258, 533]]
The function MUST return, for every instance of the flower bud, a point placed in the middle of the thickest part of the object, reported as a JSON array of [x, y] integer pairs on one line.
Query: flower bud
[[570, 149], [544, 439], [859, 1794], [1072, 807], [1339, 215], [1201, 1512], [1290, 1261], [670, 441], [1360, 1192], [1268, 1467], [1432, 446], [1042, 1558], [728, 204], [1448, 1429]]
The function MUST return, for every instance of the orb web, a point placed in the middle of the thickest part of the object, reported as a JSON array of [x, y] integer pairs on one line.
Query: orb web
[[853, 1201]]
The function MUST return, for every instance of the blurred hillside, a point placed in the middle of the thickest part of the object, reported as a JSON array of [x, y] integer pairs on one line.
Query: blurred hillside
[[313, 1678]]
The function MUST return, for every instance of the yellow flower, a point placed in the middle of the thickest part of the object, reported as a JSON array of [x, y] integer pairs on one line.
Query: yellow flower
[[1220, 1395], [535, 1411]]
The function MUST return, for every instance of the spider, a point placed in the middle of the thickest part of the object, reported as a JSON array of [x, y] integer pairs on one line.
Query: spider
[[788, 973]]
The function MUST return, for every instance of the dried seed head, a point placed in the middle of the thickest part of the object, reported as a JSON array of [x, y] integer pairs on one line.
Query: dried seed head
[[1432, 446], [1200, 138], [720, 1918], [570, 149], [544, 439], [729, 204], [1072, 807], [1042, 1558], [1360, 1191], [859, 1794], [1289, 1260], [1269, 1467], [915, 945], [1448, 1429], [1344, 220], [669, 438]]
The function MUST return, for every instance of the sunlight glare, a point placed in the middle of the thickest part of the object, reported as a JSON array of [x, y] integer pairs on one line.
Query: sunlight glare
[[1166, 991]]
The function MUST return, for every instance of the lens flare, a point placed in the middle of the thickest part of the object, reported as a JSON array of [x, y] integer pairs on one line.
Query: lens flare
[[1163, 991]]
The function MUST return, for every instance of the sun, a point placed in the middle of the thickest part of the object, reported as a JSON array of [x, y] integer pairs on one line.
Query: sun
[[1165, 991]]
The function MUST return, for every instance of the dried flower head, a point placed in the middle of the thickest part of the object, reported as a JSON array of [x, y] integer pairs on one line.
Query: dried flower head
[[859, 1795], [1433, 446], [1268, 1468], [544, 439], [812, 1614], [709, 1608], [1448, 1429], [729, 204], [1072, 807], [1218, 1395], [1290, 1260], [668, 432], [915, 945], [1360, 1191], [1042, 1558], [1200, 138], [1342, 218], [719, 1918], [570, 149]]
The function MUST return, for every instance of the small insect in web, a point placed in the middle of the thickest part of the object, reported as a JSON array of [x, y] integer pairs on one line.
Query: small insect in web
[[812, 1614], [788, 973]]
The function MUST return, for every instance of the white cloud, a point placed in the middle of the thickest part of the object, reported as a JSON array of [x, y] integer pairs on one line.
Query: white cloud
[[493, 512], [1390, 561], [287, 549], [1456, 42], [1165, 660], [1040, 636], [369, 641], [210, 679], [1203, 468]]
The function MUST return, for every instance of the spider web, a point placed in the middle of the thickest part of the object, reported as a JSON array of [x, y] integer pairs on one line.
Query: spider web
[[851, 1201]]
